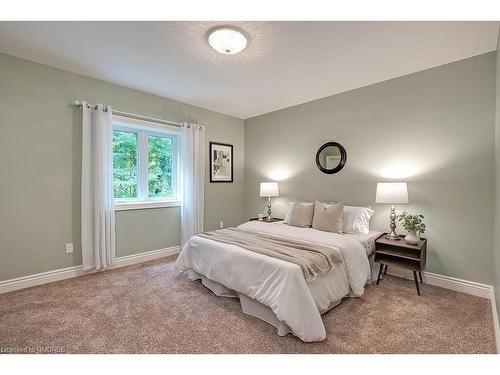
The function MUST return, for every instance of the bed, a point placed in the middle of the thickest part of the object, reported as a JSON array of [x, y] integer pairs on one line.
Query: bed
[[275, 290]]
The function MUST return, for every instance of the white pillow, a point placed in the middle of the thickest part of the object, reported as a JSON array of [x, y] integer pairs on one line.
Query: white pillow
[[356, 220], [288, 213], [328, 217], [302, 214]]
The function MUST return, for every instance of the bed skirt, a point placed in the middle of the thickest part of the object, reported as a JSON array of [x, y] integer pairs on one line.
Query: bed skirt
[[258, 310], [249, 306]]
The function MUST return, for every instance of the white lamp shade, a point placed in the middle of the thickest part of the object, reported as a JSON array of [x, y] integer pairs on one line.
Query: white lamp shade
[[391, 192], [269, 189]]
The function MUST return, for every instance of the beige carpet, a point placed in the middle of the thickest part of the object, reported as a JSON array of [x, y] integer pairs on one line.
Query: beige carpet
[[143, 309]]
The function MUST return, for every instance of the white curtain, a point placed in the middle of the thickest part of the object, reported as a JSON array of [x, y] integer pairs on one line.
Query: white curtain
[[192, 178], [98, 217]]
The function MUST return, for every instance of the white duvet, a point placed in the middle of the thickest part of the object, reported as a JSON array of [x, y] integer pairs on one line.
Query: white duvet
[[278, 284]]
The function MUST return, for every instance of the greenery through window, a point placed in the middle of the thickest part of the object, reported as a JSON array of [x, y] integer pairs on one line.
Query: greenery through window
[[144, 164], [160, 166], [125, 164]]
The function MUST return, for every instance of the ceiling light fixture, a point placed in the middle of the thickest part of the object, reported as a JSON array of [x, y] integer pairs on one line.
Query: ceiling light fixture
[[227, 40]]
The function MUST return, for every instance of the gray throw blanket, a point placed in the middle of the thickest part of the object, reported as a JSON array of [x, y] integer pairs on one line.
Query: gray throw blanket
[[314, 260]]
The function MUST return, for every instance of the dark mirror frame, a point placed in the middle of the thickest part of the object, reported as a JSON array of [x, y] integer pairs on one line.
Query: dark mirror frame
[[343, 158]]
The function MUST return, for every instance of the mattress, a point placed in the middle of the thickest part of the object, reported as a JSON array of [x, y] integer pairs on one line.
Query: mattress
[[275, 290], [367, 240]]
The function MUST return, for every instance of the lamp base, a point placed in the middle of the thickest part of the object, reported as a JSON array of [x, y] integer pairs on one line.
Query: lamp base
[[269, 218], [392, 235]]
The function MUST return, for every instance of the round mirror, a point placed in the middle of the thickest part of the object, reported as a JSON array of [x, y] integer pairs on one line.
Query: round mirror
[[331, 157]]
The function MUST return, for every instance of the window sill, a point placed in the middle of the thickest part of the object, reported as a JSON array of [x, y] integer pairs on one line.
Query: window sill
[[125, 206]]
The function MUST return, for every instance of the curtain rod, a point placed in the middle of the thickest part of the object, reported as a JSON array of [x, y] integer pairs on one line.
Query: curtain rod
[[133, 115]]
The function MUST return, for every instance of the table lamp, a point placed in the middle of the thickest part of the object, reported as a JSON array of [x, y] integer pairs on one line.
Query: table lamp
[[392, 193], [269, 189]]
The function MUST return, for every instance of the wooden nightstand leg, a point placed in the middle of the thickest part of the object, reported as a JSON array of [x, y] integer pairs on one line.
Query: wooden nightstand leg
[[385, 270], [420, 274], [380, 272], [416, 281]]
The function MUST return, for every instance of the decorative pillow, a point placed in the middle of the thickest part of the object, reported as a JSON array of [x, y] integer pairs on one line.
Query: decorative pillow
[[302, 214], [328, 217], [288, 213], [356, 220]]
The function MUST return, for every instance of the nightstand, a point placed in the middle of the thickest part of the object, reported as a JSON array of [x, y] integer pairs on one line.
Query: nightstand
[[400, 254], [273, 219]]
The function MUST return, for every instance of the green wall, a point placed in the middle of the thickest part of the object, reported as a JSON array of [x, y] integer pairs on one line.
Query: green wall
[[496, 230], [433, 129], [40, 153]]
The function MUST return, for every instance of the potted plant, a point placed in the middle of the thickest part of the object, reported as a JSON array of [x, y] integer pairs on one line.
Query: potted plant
[[414, 225]]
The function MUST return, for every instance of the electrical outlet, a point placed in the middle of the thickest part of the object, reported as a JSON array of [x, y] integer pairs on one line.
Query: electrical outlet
[[69, 248], [221, 225]]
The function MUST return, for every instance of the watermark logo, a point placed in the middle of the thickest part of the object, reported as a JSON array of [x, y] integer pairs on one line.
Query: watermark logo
[[32, 350]]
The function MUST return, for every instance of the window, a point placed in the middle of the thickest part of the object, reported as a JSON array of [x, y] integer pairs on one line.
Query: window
[[145, 160]]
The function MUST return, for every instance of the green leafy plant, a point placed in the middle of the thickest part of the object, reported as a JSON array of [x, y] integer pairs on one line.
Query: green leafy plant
[[412, 223]]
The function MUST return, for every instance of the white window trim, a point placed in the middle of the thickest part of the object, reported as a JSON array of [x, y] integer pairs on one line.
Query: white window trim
[[152, 128], [141, 205]]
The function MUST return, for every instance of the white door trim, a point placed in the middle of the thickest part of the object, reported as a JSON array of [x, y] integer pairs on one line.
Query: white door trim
[[496, 324]]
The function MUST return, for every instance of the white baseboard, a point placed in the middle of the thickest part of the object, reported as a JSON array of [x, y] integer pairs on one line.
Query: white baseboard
[[459, 285], [464, 286], [69, 272], [144, 257], [496, 324], [447, 282]]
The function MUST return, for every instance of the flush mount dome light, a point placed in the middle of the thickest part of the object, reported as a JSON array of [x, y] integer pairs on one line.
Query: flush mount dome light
[[227, 40]]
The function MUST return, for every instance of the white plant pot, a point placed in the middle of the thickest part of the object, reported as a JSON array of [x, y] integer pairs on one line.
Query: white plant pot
[[412, 238]]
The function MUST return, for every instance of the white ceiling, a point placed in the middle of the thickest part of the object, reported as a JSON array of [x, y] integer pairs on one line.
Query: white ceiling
[[286, 63]]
